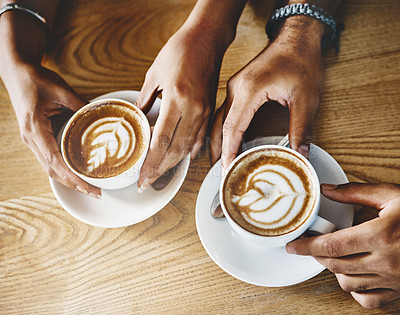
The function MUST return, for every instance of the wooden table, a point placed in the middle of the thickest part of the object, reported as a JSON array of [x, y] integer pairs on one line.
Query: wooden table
[[51, 263]]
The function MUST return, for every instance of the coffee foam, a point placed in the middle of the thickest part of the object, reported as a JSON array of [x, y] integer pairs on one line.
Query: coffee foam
[[105, 140], [109, 138], [269, 192]]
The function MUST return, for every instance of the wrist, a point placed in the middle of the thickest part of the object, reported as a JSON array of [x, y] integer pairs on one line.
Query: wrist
[[11, 58], [18, 77], [316, 26], [15, 70], [215, 20], [201, 34], [303, 29]]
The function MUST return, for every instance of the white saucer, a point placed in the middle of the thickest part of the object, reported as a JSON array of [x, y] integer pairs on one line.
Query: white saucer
[[268, 267], [126, 206]]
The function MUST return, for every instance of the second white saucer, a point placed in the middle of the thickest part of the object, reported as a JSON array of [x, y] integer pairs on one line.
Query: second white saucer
[[270, 267]]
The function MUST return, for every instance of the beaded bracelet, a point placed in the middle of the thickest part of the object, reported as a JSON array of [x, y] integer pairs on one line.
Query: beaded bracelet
[[309, 10]]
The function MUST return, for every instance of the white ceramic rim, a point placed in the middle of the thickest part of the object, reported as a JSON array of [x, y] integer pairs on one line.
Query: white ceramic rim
[[285, 238], [84, 109]]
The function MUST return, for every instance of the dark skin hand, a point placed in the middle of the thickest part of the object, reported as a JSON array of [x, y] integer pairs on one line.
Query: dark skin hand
[[41, 95], [288, 71], [186, 72], [365, 258], [190, 72], [36, 92]]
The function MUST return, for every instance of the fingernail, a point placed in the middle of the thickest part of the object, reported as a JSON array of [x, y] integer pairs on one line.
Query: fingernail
[[218, 213], [290, 250], [92, 194], [304, 150], [328, 187], [144, 185], [82, 190]]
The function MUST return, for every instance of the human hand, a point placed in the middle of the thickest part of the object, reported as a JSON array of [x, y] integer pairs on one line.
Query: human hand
[[366, 257], [186, 71], [37, 95], [290, 71]]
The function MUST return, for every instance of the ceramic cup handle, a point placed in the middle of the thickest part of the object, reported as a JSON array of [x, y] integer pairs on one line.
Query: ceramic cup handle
[[322, 226]]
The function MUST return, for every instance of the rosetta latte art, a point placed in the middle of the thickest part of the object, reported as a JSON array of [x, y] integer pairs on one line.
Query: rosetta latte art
[[274, 196], [111, 141]]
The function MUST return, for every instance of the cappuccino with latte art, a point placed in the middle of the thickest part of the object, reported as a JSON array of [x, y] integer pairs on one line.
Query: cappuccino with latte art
[[105, 143], [269, 192], [105, 140]]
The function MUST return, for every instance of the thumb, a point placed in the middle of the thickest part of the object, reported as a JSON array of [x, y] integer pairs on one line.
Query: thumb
[[58, 92], [74, 101], [370, 195]]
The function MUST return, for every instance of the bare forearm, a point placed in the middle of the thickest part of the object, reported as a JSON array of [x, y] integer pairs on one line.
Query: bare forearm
[[24, 37], [216, 18]]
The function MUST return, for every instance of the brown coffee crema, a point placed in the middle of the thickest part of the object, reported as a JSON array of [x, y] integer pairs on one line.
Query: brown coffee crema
[[269, 192], [106, 140]]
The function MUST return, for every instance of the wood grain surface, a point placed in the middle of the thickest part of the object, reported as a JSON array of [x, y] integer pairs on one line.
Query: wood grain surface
[[51, 263]]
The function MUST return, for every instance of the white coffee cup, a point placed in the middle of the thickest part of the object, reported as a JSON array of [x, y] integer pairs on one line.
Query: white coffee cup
[[313, 223], [127, 177]]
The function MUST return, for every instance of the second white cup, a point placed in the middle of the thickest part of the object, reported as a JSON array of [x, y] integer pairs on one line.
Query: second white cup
[[270, 185]]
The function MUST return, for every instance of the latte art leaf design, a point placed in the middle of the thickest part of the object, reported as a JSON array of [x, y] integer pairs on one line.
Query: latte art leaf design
[[111, 140], [97, 157], [274, 195]]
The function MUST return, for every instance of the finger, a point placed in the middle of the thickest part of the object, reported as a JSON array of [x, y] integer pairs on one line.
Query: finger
[[370, 195], [181, 145], [353, 240], [374, 298], [148, 95], [237, 121], [350, 265], [357, 283], [195, 150], [216, 135], [199, 140], [64, 176], [300, 125], [162, 136], [218, 124], [50, 157]]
